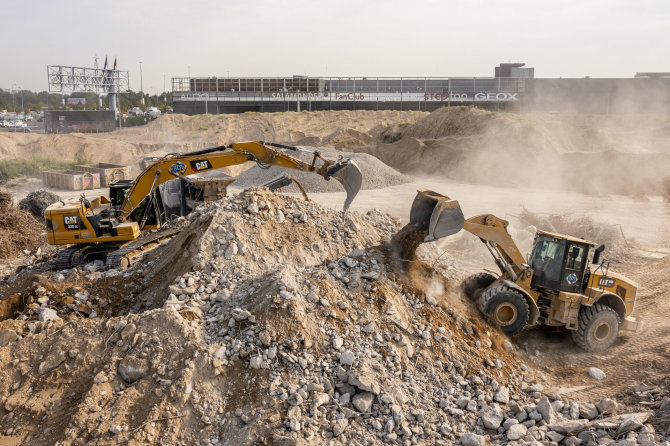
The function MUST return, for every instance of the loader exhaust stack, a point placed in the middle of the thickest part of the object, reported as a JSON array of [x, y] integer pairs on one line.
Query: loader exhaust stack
[[439, 214]]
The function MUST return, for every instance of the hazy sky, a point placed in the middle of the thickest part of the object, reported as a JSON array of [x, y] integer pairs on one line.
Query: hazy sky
[[566, 38]]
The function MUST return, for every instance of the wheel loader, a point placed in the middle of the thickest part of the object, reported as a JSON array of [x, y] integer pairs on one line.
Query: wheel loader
[[122, 228], [563, 283]]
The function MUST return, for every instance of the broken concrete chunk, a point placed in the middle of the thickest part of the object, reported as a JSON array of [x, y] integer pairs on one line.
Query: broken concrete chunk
[[132, 368]]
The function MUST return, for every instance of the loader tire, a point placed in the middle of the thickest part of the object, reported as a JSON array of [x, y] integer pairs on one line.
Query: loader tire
[[507, 308], [598, 328], [474, 285]]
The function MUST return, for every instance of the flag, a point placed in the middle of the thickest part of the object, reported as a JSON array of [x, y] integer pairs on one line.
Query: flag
[[105, 67], [114, 63]]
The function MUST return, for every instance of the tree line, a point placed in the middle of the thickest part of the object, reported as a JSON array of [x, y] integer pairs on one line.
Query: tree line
[[28, 101]]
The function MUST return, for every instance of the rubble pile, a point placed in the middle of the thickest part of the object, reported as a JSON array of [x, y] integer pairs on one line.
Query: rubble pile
[[276, 321], [37, 202], [19, 231]]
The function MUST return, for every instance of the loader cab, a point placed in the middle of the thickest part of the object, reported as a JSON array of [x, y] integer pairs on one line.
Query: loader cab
[[559, 262]]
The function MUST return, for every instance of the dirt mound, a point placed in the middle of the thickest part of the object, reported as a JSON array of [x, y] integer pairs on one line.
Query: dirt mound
[[533, 150], [37, 202], [376, 174], [276, 321], [19, 230], [180, 133]]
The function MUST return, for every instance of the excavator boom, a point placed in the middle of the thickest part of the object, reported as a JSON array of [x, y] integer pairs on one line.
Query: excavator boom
[[264, 153]]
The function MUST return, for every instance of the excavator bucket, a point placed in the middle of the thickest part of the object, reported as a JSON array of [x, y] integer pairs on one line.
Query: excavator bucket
[[351, 178], [440, 214]]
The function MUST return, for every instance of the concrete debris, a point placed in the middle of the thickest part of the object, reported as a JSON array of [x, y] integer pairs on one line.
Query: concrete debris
[[274, 320]]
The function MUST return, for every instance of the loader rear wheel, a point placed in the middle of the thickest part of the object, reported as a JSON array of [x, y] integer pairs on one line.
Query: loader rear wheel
[[507, 307], [597, 329], [474, 285]]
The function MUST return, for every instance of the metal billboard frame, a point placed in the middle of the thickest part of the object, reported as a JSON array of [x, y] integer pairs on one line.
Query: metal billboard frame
[[68, 79]]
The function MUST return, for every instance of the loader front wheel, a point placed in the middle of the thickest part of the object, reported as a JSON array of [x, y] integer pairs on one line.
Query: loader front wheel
[[507, 308], [474, 285], [597, 329]]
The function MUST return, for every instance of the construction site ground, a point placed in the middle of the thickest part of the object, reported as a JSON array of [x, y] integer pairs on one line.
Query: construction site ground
[[637, 223]]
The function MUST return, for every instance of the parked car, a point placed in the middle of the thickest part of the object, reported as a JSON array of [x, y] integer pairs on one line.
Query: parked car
[[152, 112], [18, 126], [135, 111]]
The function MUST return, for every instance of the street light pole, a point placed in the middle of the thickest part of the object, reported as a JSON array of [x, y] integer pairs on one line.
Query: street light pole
[[141, 84]]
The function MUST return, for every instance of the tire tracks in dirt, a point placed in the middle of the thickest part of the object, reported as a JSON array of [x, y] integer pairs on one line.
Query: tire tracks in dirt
[[634, 359]]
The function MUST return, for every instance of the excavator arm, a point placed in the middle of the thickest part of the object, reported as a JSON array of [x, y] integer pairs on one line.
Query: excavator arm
[[266, 154]]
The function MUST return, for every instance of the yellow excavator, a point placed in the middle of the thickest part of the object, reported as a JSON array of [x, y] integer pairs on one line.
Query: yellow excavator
[[563, 283], [116, 229]]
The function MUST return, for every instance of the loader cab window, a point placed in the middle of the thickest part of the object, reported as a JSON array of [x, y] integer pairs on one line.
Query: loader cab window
[[546, 259], [576, 255]]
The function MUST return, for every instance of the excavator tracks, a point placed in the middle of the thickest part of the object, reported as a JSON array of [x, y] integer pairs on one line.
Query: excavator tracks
[[64, 257], [127, 255]]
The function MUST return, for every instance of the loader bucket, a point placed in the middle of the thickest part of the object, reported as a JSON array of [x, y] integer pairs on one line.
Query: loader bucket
[[440, 214], [351, 178]]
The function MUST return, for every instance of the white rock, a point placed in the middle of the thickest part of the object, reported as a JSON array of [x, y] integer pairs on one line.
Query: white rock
[[340, 426], [337, 343], [347, 358], [491, 417], [252, 208], [472, 440], [516, 432], [596, 373], [231, 250], [502, 395], [256, 362], [363, 401], [545, 408], [47, 314]]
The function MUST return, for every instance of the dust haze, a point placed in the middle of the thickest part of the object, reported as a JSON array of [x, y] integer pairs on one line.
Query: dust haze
[[590, 154]]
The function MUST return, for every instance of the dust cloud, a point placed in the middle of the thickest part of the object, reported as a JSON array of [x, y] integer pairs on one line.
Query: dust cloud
[[589, 154]]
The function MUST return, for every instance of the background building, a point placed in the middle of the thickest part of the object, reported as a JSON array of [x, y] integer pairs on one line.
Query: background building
[[513, 88]]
